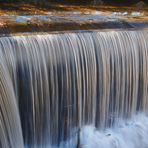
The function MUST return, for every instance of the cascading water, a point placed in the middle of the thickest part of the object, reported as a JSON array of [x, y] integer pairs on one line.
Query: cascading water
[[74, 90]]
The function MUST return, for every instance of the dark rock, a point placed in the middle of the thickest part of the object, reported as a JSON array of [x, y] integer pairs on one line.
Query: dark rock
[[140, 5], [98, 2], [108, 135]]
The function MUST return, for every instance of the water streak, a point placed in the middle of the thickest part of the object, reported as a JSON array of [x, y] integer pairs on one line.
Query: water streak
[[53, 86]]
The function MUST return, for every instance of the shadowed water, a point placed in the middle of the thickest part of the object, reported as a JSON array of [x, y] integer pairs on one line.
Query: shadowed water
[[62, 90]]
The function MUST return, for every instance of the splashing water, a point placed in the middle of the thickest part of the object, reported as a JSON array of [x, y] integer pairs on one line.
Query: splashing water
[[129, 134], [74, 90]]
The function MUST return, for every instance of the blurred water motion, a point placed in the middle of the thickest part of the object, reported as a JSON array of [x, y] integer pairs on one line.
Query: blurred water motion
[[66, 90]]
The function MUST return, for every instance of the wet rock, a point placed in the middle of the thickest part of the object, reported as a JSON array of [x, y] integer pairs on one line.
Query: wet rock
[[108, 135]]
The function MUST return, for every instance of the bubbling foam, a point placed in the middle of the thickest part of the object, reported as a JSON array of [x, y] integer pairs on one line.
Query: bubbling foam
[[126, 134]]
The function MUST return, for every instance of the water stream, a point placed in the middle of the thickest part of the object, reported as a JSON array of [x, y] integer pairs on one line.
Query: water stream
[[74, 90]]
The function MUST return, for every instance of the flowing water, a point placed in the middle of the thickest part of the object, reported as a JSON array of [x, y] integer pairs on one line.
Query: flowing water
[[74, 90]]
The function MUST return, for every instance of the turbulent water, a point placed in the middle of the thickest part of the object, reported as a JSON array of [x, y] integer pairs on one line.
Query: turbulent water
[[74, 90]]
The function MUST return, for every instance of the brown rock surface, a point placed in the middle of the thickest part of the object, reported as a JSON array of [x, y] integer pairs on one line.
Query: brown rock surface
[[21, 17]]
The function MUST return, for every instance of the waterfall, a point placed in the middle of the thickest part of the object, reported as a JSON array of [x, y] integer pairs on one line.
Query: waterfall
[[67, 90]]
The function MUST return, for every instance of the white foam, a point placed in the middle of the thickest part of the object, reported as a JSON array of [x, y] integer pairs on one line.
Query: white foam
[[128, 134]]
